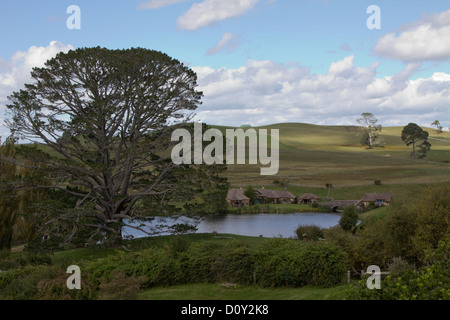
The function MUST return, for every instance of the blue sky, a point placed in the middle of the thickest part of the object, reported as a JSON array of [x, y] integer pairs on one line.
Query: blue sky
[[260, 61]]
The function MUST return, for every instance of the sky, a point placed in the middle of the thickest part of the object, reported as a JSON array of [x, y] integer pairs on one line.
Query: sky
[[258, 62]]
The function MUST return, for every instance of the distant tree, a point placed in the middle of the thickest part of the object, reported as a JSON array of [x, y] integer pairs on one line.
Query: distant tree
[[349, 218], [371, 134], [438, 126], [250, 193], [414, 135]]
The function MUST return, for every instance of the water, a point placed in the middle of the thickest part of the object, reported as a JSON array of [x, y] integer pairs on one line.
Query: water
[[267, 225]]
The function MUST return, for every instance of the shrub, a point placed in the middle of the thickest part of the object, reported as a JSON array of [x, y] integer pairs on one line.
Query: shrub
[[217, 262], [309, 233], [398, 266], [55, 288], [120, 286], [176, 245], [22, 259], [21, 283], [430, 282], [349, 218], [287, 263]]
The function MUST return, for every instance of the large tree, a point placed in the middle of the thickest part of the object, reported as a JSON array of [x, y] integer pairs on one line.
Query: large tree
[[105, 118], [8, 201], [371, 132], [414, 135]]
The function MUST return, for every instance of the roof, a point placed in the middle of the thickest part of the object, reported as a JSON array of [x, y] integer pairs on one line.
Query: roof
[[275, 194], [309, 196], [236, 195], [373, 197]]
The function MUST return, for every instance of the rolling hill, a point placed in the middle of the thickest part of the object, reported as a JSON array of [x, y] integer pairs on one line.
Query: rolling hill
[[313, 155]]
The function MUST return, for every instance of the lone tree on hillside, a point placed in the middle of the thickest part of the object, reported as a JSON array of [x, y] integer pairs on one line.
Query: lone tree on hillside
[[414, 135], [105, 118], [371, 133], [438, 126]]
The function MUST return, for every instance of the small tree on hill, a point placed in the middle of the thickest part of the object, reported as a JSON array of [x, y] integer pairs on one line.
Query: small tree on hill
[[371, 133], [414, 135], [438, 126]]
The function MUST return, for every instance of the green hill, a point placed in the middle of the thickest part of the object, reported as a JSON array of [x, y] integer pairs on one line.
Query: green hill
[[314, 155]]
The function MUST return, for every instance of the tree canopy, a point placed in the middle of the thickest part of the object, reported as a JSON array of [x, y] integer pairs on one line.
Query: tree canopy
[[104, 118], [414, 135]]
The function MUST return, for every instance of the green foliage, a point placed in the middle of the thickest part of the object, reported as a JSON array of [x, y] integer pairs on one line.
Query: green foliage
[[25, 258], [8, 198], [398, 266], [281, 262], [349, 218], [120, 287], [54, 287], [414, 135], [251, 194], [309, 232], [292, 263], [409, 231], [430, 282]]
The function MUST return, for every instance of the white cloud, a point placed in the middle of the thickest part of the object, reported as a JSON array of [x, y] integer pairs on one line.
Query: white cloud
[[228, 43], [209, 12], [156, 4], [425, 40], [342, 66], [16, 72], [265, 92]]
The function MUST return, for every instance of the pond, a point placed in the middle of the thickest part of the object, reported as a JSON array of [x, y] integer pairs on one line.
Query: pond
[[266, 225]]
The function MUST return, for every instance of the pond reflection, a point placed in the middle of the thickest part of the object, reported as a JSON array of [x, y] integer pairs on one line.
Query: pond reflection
[[262, 224]]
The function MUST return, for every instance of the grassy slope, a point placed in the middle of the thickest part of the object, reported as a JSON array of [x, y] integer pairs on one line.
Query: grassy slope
[[313, 155], [208, 291]]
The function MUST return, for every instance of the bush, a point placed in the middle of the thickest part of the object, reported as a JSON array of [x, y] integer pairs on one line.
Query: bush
[[219, 262], [55, 288], [178, 244], [21, 283], [282, 262], [398, 266], [26, 258], [120, 287], [430, 282], [309, 233], [349, 218]]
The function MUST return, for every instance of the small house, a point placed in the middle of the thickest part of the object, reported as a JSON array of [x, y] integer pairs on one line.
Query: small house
[[274, 196], [378, 199], [237, 198], [308, 198]]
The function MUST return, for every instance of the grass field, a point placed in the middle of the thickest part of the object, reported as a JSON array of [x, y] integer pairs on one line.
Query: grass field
[[209, 291], [312, 156]]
